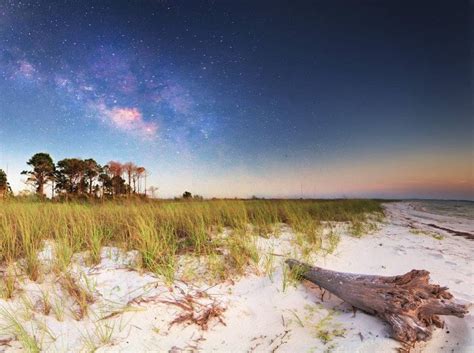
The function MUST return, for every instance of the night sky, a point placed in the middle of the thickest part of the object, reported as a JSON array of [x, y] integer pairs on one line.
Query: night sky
[[241, 98]]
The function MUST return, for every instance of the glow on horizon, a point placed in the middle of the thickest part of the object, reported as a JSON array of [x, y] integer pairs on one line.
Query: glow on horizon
[[419, 175]]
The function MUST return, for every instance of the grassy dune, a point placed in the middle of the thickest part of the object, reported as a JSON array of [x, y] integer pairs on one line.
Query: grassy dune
[[163, 230]]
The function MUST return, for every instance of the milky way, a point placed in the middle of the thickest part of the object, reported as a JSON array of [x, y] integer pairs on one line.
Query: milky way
[[272, 98], [116, 80]]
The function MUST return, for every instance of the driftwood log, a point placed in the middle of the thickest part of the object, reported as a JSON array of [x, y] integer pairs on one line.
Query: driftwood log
[[409, 303]]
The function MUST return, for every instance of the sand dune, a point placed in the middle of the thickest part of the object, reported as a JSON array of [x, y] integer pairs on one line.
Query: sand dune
[[260, 312]]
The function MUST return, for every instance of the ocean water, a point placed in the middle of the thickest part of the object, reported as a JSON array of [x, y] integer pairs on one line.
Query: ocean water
[[460, 209]]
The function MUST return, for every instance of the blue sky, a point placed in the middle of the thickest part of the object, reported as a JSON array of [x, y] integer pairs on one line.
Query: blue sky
[[225, 98]]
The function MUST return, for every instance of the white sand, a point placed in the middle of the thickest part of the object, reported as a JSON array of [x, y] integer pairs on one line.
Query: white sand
[[259, 315]]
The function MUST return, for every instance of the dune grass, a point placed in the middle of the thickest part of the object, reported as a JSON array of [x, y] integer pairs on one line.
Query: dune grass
[[10, 324], [163, 230]]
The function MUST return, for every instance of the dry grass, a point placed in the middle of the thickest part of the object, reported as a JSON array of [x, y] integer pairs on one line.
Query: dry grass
[[162, 230], [80, 295], [197, 313], [8, 281]]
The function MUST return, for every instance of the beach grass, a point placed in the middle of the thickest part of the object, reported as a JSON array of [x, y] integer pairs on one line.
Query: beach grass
[[162, 230], [11, 324]]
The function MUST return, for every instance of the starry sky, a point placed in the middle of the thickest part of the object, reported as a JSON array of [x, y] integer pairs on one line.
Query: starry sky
[[239, 98]]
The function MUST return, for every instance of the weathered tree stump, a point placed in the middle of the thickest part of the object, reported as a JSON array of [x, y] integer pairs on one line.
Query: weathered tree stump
[[409, 303]]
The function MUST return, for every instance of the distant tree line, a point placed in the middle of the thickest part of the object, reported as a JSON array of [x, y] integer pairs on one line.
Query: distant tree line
[[72, 178], [188, 196], [5, 189], [75, 177]]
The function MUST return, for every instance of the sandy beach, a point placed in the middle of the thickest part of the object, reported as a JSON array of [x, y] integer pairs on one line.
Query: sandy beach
[[236, 176], [261, 311]]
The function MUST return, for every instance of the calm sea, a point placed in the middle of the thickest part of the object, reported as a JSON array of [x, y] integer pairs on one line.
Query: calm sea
[[462, 209]]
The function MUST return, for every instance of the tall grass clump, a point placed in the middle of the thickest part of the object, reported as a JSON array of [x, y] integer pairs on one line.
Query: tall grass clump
[[8, 282], [157, 245]]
